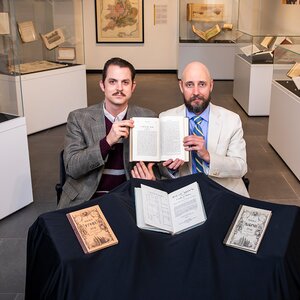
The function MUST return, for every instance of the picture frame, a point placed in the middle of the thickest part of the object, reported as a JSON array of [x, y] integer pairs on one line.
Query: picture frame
[[120, 21]]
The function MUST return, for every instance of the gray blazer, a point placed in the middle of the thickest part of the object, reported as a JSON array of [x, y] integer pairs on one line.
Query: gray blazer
[[82, 156]]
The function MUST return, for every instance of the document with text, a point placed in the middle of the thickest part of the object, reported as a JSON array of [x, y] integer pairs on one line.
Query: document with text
[[173, 213], [158, 139]]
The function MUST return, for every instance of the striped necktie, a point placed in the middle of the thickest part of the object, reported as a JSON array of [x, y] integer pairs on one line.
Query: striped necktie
[[198, 131]]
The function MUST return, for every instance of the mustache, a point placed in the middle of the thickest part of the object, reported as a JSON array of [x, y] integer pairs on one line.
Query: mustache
[[119, 93], [197, 97]]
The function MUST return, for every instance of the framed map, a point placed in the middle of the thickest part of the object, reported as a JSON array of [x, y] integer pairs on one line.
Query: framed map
[[119, 21]]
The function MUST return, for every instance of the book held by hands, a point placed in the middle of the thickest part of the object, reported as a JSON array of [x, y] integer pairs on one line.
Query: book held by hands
[[248, 228], [92, 229], [158, 139], [173, 213]]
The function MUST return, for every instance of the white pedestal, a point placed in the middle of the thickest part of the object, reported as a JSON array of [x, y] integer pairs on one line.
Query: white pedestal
[[284, 128], [218, 57], [252, 86], [47, 96], [15, 177]]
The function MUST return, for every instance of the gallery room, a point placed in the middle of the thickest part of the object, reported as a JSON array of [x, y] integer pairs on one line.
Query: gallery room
[[149, 149]]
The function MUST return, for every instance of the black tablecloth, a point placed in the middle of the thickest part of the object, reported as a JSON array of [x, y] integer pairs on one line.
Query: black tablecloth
[[150, 265]]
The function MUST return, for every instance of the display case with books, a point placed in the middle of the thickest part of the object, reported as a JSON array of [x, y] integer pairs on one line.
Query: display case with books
[[207, 32], [253, 71], [41, 46], [284, 127]]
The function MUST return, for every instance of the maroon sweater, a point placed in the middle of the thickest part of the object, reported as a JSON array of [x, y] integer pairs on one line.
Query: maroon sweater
[[114, 165]]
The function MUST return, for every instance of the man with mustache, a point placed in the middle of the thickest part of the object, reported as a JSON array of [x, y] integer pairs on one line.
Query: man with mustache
[[96, 152], [220, 149]]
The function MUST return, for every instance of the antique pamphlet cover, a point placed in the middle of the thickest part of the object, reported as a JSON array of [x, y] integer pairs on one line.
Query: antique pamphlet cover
[[92, 229], [27, 31], [205, 12], [248, 228], [53, 39]]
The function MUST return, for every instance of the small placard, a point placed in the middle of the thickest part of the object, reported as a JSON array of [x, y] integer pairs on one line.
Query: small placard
[[66, 53]]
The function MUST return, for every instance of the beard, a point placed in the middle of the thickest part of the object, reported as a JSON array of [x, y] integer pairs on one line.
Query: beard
[[197, 108]]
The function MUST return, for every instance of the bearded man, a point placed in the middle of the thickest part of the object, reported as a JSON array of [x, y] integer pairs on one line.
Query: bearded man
[[216, 144]]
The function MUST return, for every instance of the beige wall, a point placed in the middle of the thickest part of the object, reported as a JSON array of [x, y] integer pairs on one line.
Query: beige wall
[[158, 52]]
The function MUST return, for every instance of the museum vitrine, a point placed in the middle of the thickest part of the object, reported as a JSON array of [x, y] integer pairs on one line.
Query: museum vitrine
[[284, 127], [42, 60], [253, 71], [207, 31]]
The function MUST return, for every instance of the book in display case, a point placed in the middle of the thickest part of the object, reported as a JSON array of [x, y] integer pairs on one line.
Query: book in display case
[[253, 71], [283, 129], [207, 32], [42, 60]]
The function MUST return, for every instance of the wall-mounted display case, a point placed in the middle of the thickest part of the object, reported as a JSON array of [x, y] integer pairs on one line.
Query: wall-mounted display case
[[42, 60], [207, 32], [253, 71], [284, 127]]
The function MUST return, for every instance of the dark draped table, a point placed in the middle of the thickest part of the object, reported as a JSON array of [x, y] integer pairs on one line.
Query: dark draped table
[[151, 265]]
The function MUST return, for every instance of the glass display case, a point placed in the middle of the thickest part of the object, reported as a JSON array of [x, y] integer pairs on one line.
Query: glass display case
[[259, 49], [284, 127], [253, 71], [207, 31], [41, 48], [208, 21], [15, 176]]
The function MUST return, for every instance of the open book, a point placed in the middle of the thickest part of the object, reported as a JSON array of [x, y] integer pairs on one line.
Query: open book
[[248, 228], [294, 71], [174, 213], [208, 34], [158, 139]]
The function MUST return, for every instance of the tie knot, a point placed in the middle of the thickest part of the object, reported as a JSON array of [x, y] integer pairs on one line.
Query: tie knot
[[197, 119]]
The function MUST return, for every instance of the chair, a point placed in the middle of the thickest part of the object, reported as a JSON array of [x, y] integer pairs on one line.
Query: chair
[[62, 176], [246, 182]]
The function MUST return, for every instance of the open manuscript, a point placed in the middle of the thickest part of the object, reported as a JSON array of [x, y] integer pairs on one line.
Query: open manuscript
[[158, 139], [208, 34], [173, 213]]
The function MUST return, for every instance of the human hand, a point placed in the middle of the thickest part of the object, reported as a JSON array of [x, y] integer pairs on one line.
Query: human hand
[[173, 164], [140, 170], [119, 129], [196, 143]]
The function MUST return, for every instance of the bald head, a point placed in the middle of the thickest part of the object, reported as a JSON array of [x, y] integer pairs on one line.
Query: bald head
[[195, 69]]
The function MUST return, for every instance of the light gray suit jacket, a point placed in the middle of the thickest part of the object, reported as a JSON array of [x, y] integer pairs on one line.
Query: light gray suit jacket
[[82, 156], [226, 146]]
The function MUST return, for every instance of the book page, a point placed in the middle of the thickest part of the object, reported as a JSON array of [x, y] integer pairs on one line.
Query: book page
[[27, 31], [156, 208], [172, 131], [139, 212], [213, 31], [187, 208], [250, 49], [294, 71], [144, 140]]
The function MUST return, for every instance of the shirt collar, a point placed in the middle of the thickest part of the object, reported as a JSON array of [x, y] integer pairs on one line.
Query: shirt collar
[[204, 115], [113, 119]]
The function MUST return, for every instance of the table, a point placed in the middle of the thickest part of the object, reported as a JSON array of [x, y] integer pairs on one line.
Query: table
[[151, 265]]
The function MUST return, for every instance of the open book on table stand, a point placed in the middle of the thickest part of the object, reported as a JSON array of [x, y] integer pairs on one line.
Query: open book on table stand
[[158, 139], [173, 213]]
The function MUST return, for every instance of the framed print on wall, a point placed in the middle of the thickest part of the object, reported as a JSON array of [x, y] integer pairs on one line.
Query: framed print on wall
[[119, 21]]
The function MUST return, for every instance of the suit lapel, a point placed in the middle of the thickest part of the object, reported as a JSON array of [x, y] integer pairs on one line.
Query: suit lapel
[[214, 128], [98, 124]]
